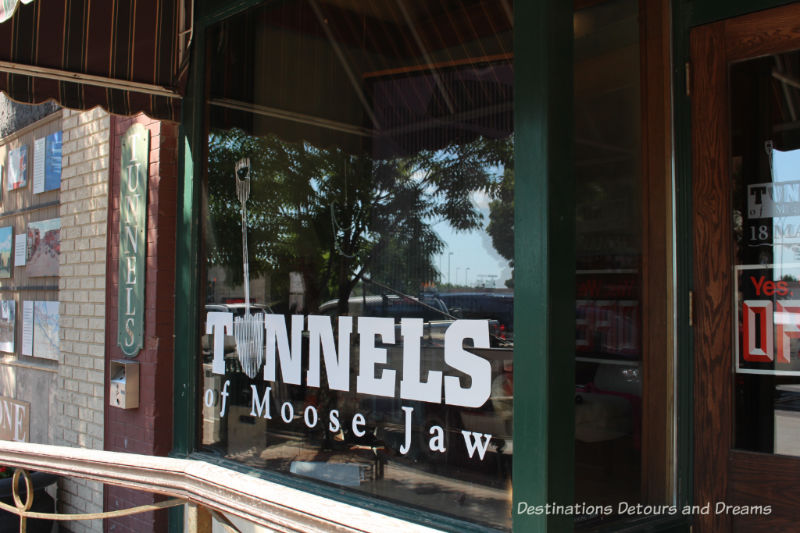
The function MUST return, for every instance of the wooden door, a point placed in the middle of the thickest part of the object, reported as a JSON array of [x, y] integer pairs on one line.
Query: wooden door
[[745, 92]]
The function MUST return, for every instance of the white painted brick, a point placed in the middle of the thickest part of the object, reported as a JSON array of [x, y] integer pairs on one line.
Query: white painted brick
[[80, 296], [69, 122], [83, 211], [80, 348], [70, 436], [95, 430]]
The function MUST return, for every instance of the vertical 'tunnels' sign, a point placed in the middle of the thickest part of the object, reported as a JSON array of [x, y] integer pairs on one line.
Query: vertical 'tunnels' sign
[[132, 231]]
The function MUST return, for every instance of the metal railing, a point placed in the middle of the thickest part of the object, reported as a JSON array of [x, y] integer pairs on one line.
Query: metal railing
[[23, 508]]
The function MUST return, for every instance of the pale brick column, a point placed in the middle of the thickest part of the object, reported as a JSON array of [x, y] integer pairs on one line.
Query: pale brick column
[[83, 211]]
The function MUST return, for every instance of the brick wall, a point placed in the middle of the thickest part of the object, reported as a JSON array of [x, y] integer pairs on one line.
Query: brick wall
[[82, 270], [148, 429]]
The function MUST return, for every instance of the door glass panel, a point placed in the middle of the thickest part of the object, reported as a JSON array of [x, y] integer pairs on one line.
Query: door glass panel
[[765, 170]]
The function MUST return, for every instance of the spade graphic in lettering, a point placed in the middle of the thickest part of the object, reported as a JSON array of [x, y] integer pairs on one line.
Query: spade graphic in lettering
[[248, 330]]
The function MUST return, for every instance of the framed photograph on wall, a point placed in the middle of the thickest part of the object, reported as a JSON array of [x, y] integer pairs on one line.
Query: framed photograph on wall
[[52, 162], [8, 312], [43, 247], [6, 249], [45, 330], [17, 165]]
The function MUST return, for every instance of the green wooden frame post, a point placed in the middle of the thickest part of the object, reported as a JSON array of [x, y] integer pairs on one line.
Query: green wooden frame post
[[191, 151], [544, 366]]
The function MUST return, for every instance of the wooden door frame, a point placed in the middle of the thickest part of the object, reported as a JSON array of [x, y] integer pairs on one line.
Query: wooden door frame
[[720, 473]]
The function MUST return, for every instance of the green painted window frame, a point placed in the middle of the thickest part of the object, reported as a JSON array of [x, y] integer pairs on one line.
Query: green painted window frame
[[544, 311]]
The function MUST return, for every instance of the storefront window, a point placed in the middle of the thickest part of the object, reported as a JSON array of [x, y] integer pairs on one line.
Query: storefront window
[[358, 215]]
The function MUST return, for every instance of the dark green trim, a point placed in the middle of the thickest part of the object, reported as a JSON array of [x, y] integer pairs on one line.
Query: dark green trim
[[187, 282], [191, 142], [544, 307], [175, 520], [683, 239], [707, 11]]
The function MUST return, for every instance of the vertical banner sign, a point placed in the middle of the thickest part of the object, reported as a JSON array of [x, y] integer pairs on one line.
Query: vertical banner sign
[[132, 244]]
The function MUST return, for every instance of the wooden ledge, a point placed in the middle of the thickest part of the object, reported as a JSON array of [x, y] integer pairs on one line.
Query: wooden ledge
[[260, 501]]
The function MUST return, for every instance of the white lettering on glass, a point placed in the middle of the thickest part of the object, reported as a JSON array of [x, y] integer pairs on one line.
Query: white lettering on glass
[[468, 386], [370, 355]]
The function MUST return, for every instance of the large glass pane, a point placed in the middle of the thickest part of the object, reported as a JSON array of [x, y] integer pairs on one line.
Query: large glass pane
[[608, 379], [765, 174], [359, 229]]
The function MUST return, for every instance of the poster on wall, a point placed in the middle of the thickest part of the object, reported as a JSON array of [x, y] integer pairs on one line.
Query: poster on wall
[[43, 247], [17, 166], [767, 312], [27, 327], [7, 325], [52, 162], [6, 235], [38, 166], [45, 330], [20, 246]]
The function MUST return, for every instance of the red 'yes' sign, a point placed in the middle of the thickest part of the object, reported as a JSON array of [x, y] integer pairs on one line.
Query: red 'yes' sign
[[769, 321]]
